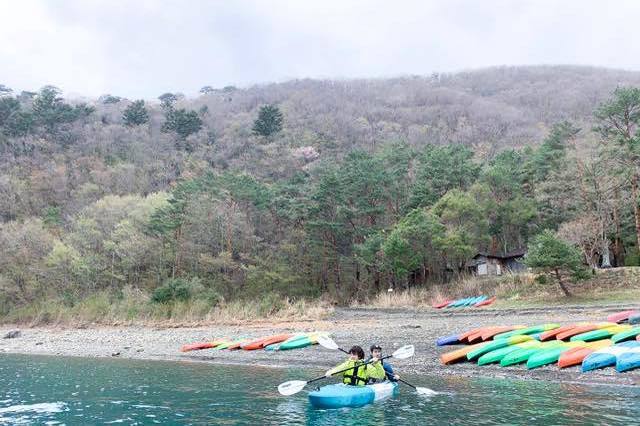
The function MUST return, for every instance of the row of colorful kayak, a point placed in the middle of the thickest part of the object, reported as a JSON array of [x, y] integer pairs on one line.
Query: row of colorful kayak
[[591, 345], [475, 302], [277, 342]]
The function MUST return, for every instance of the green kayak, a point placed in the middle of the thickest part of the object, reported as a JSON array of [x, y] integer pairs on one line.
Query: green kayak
[[523, 354], [529, 330], [301, 341], [546, 356], [498, 354], [589, 336], [296, 344], [497, 344], [625, 335]]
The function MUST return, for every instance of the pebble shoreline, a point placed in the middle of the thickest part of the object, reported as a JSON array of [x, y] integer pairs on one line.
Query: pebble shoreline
[[390, 328]]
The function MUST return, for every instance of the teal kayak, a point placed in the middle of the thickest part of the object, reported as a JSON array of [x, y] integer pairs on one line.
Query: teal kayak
[[301, 341], [341, 395]]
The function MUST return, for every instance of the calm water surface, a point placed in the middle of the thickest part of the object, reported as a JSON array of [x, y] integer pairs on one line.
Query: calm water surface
[[79, 391]]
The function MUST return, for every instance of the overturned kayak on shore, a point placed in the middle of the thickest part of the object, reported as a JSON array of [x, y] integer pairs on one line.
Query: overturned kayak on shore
[[497, 354], [626, 335], [454, 339], [622, 316], [607, 357], [496, 344], [440, 305], [201, 345], [265, 341], [603, 333], [575, 356], [459, 354], [523, 354], [629, 360], [529, 330], [585, 328], [341, 395]]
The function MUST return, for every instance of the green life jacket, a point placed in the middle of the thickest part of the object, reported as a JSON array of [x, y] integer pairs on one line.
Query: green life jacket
[[356, 376]]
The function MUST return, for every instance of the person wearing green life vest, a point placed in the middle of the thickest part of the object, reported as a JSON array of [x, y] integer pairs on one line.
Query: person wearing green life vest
[[358, 372]]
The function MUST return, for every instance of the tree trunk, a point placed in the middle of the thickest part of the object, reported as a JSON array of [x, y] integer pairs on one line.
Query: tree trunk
[[636, 210], [565, 290], [618, 248], [606, 258]]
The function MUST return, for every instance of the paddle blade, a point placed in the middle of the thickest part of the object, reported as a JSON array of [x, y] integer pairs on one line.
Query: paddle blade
[[404, 352], [425, 391], [291, 387], [327, 342]]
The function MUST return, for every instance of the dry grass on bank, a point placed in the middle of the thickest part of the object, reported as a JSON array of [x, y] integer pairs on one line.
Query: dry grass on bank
[[136, 308], [619, 285]]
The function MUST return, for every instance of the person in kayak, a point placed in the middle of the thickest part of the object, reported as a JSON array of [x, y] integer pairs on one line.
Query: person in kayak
[[376, 352], [358, 372]]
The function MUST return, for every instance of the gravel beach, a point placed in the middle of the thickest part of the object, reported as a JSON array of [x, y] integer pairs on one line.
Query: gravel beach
[[390, 328]]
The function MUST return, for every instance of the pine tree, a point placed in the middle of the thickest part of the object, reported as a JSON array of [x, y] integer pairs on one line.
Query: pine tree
[[269, 121], [135, 114]]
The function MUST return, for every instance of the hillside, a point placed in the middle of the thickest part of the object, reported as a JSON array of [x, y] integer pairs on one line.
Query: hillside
[[370, 183]]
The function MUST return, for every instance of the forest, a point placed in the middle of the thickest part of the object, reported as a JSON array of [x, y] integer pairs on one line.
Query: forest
[[310, 188]]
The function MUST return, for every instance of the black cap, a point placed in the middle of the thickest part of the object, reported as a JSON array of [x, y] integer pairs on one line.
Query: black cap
[[378, 347]]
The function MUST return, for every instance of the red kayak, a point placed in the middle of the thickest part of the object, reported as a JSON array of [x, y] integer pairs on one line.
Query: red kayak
[[548, 335], [441, 305], [201, 345], [485, 302], [621, 316], [264, 341]]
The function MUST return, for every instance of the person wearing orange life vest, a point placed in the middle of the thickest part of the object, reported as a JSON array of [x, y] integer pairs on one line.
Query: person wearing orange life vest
[[358, 372]]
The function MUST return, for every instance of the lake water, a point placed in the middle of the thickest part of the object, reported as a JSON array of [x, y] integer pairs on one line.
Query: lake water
[[80, 391]]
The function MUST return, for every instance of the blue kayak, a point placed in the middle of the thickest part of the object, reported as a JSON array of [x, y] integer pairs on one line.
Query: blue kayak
[[448, 340], [628, 360], [341, 395], [606, 357]]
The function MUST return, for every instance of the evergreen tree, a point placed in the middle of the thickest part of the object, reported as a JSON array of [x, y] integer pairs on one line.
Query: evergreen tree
[[269, 121], [167, 100], [135, 114], [549, 254], [619, 126], [440, 169], [182, 122]]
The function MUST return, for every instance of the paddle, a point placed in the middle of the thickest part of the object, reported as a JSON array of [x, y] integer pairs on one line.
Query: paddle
[[327, 342], [294, 386]]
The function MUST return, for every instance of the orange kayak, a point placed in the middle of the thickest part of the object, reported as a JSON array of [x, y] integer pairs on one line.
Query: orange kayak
[[201, 345], [276, 339], [464, 336], [581, 329], [459, 354], [475, 337], [488, 334], [548, 335], [264, 341], [485, 302], [488, 331], [575, 356]]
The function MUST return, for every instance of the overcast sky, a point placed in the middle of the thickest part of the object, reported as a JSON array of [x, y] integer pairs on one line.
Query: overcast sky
[[142, 48]]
